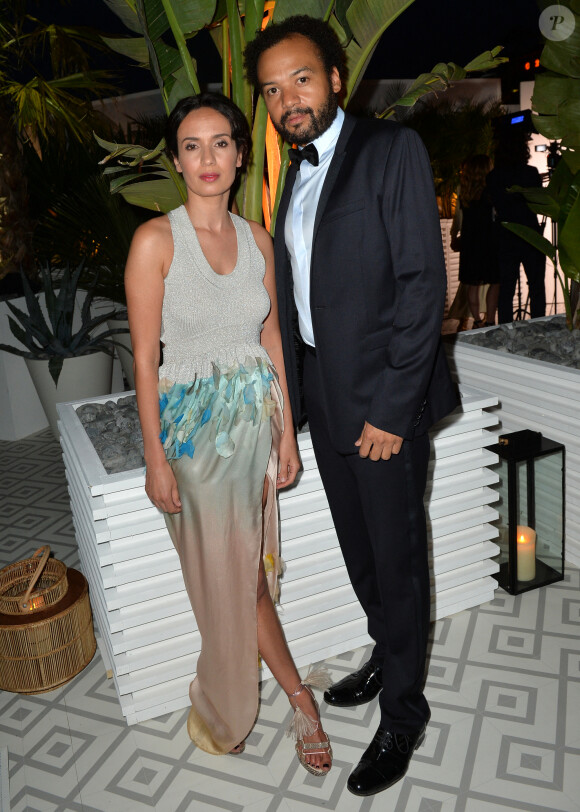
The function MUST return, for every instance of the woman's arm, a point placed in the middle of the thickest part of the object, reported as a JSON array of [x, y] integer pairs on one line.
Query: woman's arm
[[271, 340], [147, 265]]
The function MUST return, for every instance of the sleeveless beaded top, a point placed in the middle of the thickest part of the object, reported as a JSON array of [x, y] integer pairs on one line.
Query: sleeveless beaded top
[[210, 318]]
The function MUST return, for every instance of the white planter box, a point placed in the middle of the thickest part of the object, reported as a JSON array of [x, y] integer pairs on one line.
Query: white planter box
[[148, 635], [532, 395]]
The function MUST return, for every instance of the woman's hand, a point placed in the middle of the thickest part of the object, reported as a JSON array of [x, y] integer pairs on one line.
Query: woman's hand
[[289, 460], [161, 487]]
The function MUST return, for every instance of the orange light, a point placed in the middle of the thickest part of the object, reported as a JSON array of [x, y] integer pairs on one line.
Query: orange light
[[527, 66], [536, 63]]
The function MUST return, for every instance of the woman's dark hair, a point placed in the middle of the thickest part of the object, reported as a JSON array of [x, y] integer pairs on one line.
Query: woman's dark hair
[[318, 32], [237, 120], [474, 171]]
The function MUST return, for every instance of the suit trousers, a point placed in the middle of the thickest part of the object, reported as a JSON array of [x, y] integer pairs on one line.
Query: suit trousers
[[378, 514], [510, 254]]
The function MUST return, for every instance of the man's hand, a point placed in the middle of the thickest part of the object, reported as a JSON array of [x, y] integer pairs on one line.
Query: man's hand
[[378, 444]]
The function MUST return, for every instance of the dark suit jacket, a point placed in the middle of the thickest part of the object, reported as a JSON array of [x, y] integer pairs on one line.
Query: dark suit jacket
[[377, 287]]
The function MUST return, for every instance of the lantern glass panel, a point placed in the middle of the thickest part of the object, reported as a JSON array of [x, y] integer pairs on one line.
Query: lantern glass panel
[[549, 510]]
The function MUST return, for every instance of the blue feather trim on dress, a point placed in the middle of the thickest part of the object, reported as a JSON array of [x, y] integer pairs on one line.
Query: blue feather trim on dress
[[231, 394]]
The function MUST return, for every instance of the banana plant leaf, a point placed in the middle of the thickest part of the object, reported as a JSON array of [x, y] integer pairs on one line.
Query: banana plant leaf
[[165, 26], [533, 238], [441, 77], [561, 56], [368, 20], [157, 195], [126, 11], [569, 231], [540, 200], [319, 9], [134, 48]]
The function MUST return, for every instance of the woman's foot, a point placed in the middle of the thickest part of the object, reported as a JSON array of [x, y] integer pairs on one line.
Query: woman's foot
[[238, 749], [312, 744]]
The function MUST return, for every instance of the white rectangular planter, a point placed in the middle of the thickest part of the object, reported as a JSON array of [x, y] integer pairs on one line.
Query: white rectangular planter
[[148, 635], [532, 395]]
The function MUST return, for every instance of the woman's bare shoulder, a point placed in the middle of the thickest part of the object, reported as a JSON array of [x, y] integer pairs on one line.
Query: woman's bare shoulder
[[153, 230], [261, 236], [152, 246]]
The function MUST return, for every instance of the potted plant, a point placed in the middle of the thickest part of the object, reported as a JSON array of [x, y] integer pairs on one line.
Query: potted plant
[[542, 391], [65, 362], [160, 33], [556, 109]]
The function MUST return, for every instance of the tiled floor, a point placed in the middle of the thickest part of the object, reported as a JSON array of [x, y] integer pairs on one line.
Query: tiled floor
[[504, 688]]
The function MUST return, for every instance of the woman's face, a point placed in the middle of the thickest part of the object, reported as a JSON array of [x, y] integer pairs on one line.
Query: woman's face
[[207, 155]]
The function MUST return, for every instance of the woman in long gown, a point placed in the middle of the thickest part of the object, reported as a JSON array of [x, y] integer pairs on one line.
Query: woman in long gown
[[201, 281]]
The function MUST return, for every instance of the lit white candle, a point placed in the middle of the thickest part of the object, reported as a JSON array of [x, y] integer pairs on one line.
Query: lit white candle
[[526, 550]]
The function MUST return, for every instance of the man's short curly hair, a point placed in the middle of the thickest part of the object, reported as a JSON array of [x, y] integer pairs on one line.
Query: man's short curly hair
[[318, 32]]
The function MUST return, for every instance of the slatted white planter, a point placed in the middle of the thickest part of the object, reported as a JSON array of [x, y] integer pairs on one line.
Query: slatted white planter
[[148, 635], [532, 395]]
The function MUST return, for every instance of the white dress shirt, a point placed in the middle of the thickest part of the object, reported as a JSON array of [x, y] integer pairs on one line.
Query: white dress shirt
[[299, 225]]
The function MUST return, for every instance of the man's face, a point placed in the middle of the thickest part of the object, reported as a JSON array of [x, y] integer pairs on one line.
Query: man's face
[[299, 94]]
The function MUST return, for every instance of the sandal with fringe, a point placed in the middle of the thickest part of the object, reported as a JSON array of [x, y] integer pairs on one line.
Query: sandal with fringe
[[304, 725]]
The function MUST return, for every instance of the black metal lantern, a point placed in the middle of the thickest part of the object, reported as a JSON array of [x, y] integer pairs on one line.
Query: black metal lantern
[[531, 511]]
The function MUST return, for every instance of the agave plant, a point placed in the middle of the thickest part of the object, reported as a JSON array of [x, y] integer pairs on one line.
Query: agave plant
[[55, 338]]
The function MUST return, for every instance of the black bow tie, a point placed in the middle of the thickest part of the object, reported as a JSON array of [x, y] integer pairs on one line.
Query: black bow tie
[[309, 152]]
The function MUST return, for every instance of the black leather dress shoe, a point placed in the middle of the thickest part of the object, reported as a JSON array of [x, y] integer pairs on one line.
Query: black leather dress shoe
[[356, 689], [384, 762]]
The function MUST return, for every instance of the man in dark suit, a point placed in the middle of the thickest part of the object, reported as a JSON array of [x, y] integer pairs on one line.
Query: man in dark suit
[[358, 253]]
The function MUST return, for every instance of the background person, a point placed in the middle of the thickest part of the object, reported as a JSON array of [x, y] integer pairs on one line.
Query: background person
[[478, 263], [510, 169]]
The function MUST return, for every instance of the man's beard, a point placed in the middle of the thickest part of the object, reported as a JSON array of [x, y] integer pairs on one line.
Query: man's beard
[[319, 122]]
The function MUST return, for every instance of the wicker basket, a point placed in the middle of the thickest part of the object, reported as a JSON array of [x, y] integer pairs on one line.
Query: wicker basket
[[41, 651], [33, 584]]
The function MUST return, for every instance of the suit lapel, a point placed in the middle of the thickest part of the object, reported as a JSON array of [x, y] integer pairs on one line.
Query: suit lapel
[[281, 254], [285, 200], [333, 169]]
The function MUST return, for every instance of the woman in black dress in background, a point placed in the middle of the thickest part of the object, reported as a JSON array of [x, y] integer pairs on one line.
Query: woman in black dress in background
[[478, 258]]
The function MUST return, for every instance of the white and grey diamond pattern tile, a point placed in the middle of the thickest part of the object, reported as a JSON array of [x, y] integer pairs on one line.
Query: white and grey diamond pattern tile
[[503, 684]]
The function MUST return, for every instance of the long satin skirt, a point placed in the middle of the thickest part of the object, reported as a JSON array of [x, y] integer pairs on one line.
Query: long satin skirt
[[220, 534]]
